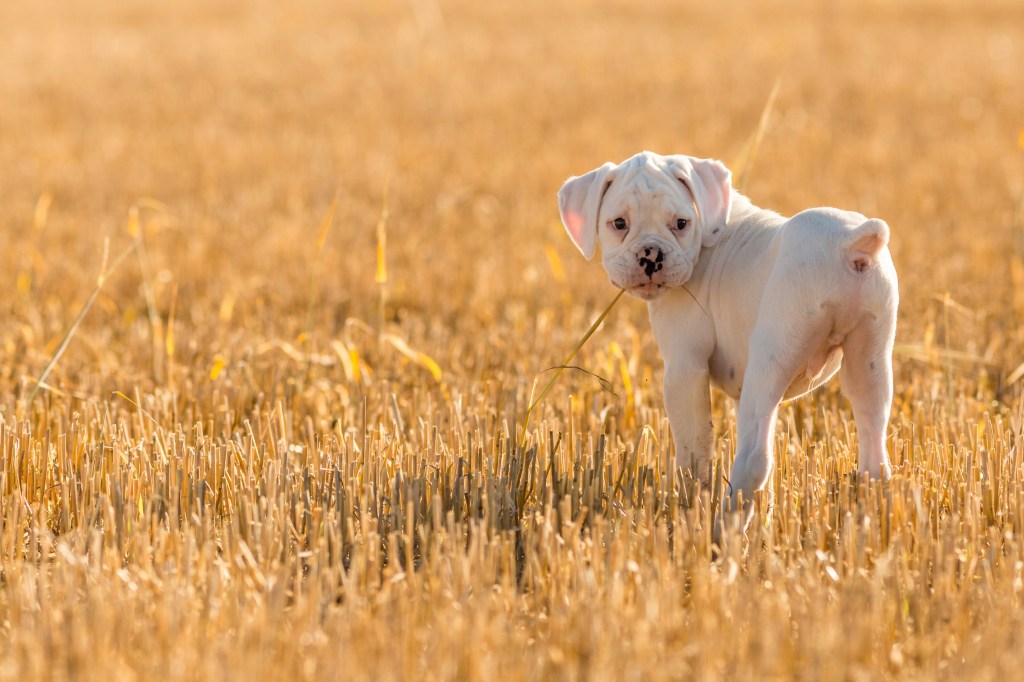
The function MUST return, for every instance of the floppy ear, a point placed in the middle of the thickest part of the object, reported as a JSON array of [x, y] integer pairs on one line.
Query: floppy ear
[[710, 184], [579, 202]]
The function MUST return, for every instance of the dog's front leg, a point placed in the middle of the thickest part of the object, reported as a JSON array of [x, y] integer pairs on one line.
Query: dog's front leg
[[688, 404]]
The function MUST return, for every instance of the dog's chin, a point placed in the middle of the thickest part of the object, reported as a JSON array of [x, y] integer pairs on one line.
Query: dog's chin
[[647, 291]]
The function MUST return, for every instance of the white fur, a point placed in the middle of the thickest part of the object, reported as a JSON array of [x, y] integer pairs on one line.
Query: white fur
[[772, 307]]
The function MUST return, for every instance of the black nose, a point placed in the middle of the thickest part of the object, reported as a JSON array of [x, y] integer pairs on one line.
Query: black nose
[[651, 259]]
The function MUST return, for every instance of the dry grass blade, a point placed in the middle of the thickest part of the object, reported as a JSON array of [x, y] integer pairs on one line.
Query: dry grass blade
[[105, 273], [924, 353], [742, 169], [420, 358], [380, 275], [568, 360], [135, 231], [138, 407], [42, 211], [605, 384], [314, 277], [1016, 375]]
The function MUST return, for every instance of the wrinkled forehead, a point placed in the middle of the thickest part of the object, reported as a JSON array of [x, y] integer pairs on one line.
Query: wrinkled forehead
[[642, 181]]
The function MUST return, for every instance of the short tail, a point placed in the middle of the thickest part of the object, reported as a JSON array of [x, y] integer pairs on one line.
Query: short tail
[[865, 242]]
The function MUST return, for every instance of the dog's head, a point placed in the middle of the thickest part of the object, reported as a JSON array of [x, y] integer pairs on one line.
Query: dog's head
[[651, 214]]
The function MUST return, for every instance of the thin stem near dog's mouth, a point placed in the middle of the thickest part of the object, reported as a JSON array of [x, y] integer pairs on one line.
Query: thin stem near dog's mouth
[[649, 290]]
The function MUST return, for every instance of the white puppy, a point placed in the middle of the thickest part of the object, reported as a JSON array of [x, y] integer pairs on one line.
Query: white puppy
[[764, 307]]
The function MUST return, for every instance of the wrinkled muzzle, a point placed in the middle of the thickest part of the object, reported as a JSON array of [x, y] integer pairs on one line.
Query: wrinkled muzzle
[[649, 269]]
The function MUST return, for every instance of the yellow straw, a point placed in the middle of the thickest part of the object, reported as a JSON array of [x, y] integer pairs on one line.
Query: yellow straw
[[558, 370]]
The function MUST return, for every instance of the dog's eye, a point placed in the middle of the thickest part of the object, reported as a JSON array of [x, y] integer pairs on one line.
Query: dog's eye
[[681, 224], [619, 223]]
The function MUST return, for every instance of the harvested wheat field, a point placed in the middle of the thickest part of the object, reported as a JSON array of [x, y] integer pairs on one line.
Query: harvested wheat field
[[279, 280]]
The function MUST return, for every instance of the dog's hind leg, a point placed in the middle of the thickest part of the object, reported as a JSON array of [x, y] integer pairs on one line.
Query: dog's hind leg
[[866, 377]]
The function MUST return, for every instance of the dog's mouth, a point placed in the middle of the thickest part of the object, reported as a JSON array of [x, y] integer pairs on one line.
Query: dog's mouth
[[645, 291]]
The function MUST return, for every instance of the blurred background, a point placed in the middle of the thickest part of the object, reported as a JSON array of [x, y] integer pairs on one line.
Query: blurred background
[[332, 267]]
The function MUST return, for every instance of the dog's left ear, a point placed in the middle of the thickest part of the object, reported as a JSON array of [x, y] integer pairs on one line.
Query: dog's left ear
[[710, 185], [579, 202]]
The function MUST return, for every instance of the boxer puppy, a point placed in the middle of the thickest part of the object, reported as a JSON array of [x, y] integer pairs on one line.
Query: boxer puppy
[[766, 308]]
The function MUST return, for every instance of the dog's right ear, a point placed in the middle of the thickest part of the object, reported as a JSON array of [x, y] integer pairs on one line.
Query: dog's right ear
[[710, 184], [579, 202]]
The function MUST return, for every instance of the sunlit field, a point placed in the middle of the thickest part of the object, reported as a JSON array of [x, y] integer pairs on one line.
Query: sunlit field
[[278, 281]]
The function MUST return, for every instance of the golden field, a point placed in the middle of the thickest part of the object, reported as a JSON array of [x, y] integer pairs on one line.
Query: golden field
[[278, 279]]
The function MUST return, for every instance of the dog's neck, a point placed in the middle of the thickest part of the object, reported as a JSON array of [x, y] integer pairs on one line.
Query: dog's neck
[[743, 213], [749, 227]]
